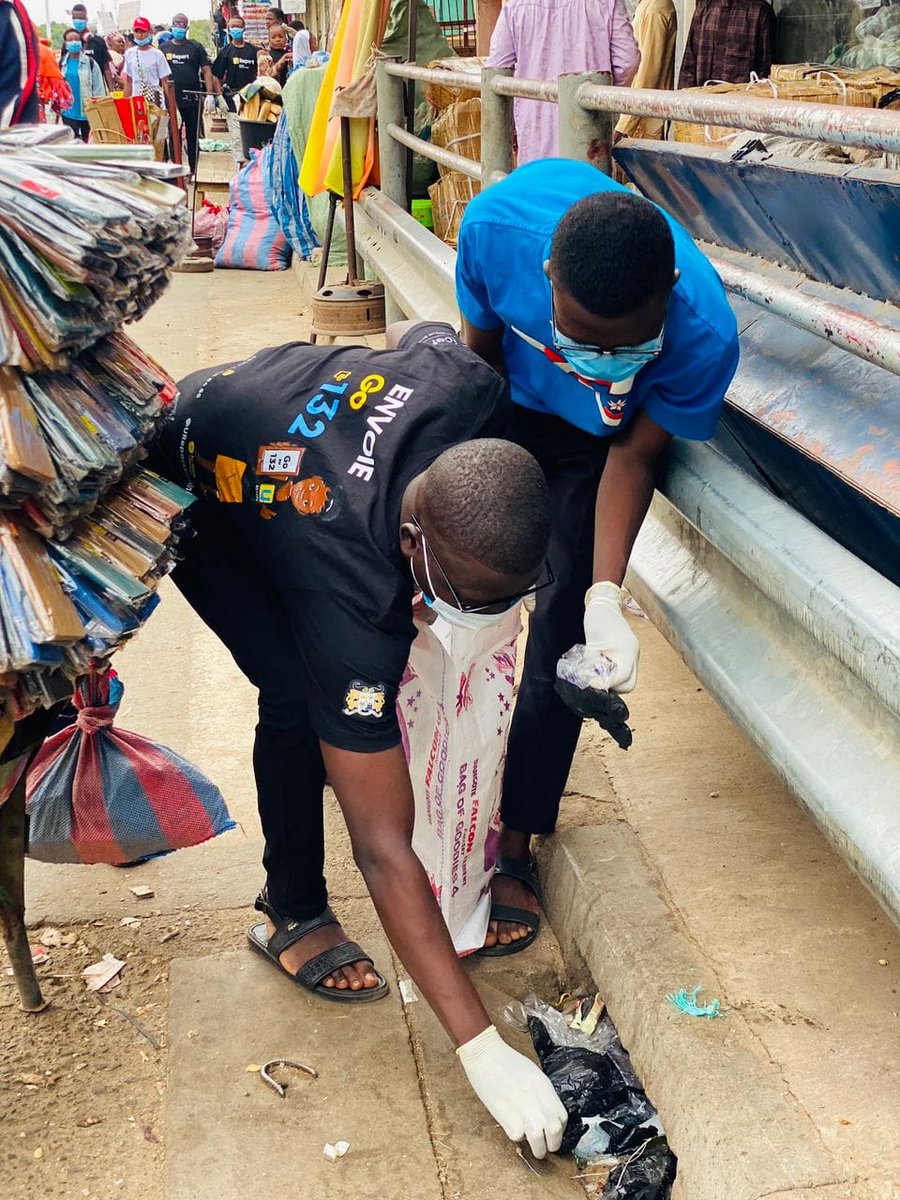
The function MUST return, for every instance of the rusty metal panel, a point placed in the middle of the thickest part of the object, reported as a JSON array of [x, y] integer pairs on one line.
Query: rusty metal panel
[[808, 216]]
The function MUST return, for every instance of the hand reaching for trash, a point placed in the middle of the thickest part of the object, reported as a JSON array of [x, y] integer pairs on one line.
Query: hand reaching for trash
[[515, 1091], [589, 678]]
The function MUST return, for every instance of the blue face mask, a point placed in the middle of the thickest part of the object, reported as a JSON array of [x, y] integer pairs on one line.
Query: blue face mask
[[236, 35], [614, 367], [73, 47], [80, 24], [143, 41], [605, 368], [179, 33]]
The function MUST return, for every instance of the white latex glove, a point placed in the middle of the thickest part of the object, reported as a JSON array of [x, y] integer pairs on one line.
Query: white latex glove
[[209, 104], [606, 631], [515, 1091]]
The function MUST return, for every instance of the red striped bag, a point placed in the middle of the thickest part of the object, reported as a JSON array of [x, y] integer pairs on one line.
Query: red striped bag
[[97, 794]]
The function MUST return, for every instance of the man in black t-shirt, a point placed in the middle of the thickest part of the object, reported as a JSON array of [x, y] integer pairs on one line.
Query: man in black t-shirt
[[334, 483], [94, 47], [191, 73], [236, 65]]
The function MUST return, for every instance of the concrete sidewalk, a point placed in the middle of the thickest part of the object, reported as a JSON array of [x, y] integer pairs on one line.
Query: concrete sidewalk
[[686, 861]]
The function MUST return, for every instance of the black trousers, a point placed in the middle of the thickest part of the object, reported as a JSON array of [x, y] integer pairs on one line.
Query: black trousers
[[227, 589], [544, 730], [81, 129], [189, 111]]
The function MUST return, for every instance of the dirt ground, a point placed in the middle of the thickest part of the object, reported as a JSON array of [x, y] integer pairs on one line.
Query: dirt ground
[[82, 1085]]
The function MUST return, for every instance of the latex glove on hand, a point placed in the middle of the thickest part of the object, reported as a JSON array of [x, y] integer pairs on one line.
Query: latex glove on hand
[[607, 632], [515, 1091], [209, 104]]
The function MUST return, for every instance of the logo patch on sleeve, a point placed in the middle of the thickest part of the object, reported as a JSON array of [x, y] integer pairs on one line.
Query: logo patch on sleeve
[[364, 700]]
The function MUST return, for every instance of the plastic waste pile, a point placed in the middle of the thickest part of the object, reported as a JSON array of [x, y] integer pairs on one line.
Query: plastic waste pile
[[613, 1130]]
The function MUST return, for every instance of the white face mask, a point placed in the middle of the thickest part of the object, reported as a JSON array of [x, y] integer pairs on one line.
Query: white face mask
[[475, 621]]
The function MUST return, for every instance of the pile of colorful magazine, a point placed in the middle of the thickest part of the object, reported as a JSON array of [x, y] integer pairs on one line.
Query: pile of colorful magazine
[[84, 247], [86, 530]]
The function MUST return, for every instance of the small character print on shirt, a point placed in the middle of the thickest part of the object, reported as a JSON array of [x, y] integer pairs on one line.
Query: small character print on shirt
[[364, 700], [313, 497]]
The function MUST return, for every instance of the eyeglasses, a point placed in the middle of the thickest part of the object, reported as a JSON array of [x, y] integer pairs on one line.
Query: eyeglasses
[[506, 602], [644, 350]]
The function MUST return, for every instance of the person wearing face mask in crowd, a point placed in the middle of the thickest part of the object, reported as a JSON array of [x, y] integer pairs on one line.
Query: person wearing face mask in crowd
[[616, 335], [236, 65], [85, 82], [94, 46], [145, 67], [334, 484], [191, 73]]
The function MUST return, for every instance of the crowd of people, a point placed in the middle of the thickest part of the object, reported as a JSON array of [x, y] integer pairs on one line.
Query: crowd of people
[[138, 61]]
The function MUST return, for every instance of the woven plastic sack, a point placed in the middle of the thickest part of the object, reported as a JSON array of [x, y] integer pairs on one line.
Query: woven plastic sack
[[454, 707], [212, 221], [254, 241], [102, 795]]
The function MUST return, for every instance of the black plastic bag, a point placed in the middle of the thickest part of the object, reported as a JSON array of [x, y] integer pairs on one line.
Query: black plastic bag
[[588, 1084], [648, 1176]]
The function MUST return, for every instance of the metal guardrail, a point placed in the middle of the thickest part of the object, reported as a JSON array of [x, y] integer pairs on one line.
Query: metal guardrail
[[798, 640], [585, 133]]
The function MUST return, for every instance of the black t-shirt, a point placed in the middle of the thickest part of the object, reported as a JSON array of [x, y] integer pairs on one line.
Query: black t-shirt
[[97, 49], [186, 60], [302, 454], [236, 65]]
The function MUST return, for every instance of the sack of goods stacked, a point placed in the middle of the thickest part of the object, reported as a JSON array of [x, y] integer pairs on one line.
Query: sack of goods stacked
[[805, 82], [457, 129], [86, 532], [440, 96]]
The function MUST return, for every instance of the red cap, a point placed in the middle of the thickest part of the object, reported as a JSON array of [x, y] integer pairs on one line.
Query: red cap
[[142, 25]]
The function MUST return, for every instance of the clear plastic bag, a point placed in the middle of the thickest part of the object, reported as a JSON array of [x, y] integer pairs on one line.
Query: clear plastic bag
[[582, 680]]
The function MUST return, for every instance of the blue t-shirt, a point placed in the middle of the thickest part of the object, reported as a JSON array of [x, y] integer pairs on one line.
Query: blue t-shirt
[[76, 112], [504, 242]]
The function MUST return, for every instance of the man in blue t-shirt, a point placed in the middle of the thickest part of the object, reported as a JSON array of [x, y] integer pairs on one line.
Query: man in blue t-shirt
[[615, 334]]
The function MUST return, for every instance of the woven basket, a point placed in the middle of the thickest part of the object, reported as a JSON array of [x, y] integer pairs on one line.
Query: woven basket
[[458, 129], [441, 97], [104, 121], [449, 197], [706, 135]]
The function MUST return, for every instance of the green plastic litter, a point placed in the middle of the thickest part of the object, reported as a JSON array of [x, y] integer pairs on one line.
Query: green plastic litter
[[686, 1001]]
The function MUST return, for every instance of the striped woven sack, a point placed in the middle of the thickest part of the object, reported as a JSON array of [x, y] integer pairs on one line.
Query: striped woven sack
[[102, 795], [254, 241]]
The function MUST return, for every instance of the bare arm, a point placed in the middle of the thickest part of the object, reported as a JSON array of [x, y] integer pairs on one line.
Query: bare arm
[[624, 495], [376, 798], [126, 90], [487, 344], [208, 80]]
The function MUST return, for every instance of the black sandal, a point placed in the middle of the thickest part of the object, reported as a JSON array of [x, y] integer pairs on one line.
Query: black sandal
[[311, 974], [526, 874]]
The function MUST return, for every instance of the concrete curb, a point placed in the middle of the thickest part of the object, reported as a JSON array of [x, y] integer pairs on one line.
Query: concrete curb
[[738, 1132]]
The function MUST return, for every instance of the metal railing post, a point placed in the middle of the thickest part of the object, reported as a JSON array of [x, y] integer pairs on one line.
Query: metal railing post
[[496, 127], [584, 134], [391, 155]]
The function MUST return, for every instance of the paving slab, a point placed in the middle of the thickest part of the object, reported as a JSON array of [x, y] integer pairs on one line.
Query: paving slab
[[230, 1137], [476, 1159]]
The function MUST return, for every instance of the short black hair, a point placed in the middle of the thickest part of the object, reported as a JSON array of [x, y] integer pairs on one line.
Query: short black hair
[[276, 12], [488, 499], [79, 8], [611, 252]]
